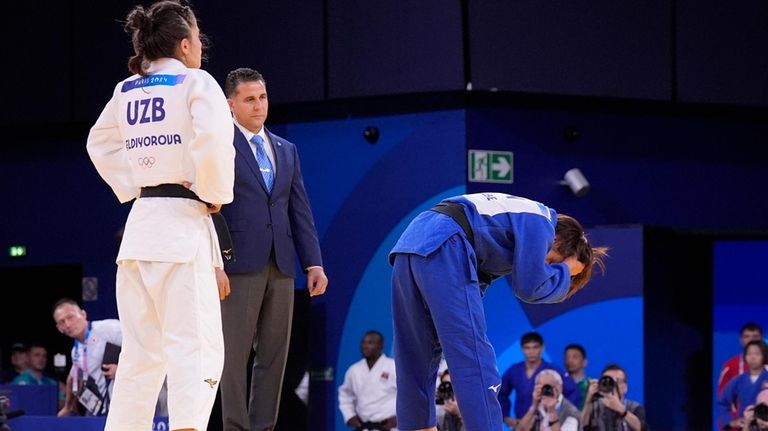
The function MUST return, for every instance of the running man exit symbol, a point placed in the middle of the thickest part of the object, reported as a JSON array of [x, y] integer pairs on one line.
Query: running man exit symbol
[[490, 166]]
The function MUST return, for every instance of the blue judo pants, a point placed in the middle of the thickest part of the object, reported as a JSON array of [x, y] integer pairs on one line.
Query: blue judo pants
[[434, 298]]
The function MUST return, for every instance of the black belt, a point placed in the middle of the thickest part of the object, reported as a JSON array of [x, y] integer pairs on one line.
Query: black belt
[[456, 212], [179, 191], [372, 426]]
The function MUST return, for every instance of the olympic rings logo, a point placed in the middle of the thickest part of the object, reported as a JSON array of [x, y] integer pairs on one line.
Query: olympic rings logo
[[146, 162]]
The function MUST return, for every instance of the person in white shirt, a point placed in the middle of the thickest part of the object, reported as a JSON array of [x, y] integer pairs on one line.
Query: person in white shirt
[[367, 396], [87, 355], [165, 139], [550, 411]]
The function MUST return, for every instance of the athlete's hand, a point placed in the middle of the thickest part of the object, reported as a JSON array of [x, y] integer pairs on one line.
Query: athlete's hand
[[574, 266], [612, 401], [222, 281], [213, 208], [591, 389]]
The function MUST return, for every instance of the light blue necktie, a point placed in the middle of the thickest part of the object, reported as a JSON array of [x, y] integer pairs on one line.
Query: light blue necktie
[[265, 166]]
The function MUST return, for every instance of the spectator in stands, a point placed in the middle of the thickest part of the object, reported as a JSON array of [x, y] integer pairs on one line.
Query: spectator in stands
[[735, 365], [90, 379], [35, 374], [550, 410], [19, 362], [520, 378], [367, 396], [742, 390], [575, 361], [607, 408], [757, 420]]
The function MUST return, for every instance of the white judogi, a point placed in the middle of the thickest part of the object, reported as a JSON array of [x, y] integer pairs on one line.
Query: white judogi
[[369, 393], [169, 127]]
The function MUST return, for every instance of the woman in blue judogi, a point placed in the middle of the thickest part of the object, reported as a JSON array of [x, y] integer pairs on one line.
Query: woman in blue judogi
[[443, 263]]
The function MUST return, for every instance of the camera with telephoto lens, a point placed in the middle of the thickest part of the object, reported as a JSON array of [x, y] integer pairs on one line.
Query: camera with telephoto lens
[[547, 391], [444, 392], [761, 412], [606, 385]]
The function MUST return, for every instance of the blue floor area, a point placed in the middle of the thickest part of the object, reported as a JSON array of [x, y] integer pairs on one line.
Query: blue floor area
[[53, 423]]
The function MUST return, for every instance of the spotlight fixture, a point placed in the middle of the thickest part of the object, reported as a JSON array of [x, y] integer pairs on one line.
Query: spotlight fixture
[[577, 182]]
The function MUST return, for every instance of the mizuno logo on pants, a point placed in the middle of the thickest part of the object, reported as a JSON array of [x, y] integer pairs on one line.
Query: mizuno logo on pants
[[495, 388]]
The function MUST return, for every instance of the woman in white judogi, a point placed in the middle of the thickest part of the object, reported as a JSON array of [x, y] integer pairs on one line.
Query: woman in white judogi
[[167, 124]]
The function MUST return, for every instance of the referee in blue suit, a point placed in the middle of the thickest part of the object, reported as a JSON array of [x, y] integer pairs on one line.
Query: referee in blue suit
[[271, 224]]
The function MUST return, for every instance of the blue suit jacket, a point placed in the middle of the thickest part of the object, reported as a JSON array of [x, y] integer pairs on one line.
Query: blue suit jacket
[[260, 222]]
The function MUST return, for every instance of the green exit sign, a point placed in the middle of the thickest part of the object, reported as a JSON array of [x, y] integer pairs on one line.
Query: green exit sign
[[17, 251], [490, 166]]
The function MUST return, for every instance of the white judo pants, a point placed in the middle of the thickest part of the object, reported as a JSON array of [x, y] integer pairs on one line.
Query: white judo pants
[[171, 321]]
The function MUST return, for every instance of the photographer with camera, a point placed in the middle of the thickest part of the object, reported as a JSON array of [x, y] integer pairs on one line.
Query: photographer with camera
[[743, 390], [448, 414], [607, 408], [756, 416], [549, 410], [521, 377]]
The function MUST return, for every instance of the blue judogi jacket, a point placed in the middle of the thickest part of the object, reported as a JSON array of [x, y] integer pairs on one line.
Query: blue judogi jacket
[[741, 391], [512, 236]]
